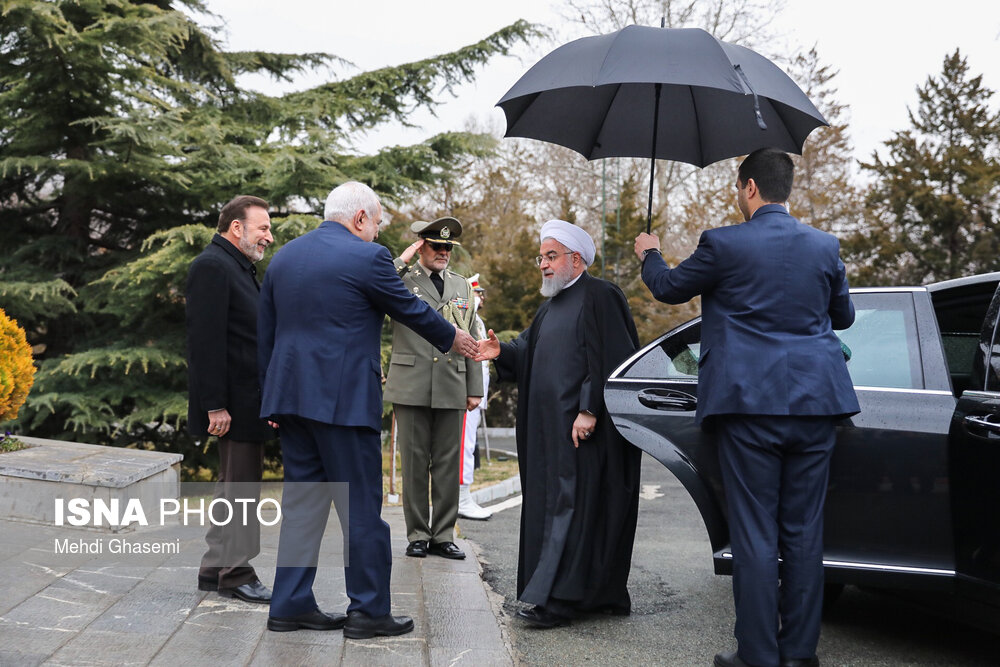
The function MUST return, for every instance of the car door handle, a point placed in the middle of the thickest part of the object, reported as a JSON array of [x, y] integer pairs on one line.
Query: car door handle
[[983, 422], [667, 399]]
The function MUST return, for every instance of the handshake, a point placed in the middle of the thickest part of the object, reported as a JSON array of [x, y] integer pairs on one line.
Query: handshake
[[481, 350]]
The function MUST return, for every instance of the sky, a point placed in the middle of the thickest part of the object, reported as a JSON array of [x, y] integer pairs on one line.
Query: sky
[[882, 50]]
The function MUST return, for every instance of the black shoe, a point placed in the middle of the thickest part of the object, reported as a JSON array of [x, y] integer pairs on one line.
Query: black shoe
[[207, 584], [730, 659], [800, 662], [362, 626], [417, 549], [447, 550], [313, 620], [540, 617], [254, 592]]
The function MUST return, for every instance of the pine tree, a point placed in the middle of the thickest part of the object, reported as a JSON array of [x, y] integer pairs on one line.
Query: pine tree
[[934, 205], [825, 194], [125, 131]]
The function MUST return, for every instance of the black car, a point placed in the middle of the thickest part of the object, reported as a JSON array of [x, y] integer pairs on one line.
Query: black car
[[914, 492]]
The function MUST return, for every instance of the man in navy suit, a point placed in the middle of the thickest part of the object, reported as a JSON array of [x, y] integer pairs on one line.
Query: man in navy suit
[[772, 381], [322, 304]]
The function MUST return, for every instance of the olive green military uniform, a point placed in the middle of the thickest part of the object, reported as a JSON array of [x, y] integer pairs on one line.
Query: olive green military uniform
[[428, 390]]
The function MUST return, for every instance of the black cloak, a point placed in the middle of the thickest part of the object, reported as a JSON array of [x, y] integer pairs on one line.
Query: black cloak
[[580, 505]]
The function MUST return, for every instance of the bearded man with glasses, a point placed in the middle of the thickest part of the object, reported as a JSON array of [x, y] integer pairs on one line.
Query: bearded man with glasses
[[579, 477]]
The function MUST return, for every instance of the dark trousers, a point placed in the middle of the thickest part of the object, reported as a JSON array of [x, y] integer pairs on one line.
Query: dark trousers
[[317, 452], [231, 546], [775, 471], [430, 446]]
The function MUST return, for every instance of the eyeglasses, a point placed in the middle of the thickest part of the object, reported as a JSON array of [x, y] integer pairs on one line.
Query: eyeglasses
[[438, 247], [550, 257]]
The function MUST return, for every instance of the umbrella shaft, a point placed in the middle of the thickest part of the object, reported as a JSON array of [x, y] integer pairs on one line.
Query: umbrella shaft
[[652, 159]]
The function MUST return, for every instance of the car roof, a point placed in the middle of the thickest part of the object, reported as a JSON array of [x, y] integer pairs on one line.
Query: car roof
[[979, 279]]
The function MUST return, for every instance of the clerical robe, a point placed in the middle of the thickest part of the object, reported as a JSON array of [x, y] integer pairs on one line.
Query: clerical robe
[[580, 506]]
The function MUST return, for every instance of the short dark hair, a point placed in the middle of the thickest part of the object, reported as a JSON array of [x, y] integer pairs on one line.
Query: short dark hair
[[236, 209], [773, 172]]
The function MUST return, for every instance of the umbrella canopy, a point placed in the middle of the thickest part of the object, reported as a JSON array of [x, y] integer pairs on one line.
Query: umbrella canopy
[[669, 93], [599, 96]]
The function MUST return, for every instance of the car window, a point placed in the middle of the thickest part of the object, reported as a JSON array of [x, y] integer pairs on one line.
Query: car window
[[675, 358], [962, 311], [991, 356], [882, 342]]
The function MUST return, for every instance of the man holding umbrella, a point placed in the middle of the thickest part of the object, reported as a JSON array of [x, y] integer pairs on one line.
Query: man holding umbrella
[[773, 382]]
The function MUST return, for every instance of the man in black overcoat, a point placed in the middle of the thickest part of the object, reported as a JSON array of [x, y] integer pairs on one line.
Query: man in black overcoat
[[579, 477], [223, 387]]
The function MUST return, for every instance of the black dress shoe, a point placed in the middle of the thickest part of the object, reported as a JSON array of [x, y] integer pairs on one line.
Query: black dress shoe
[[362, 626], [207, 584], [800, 662], [313, 620], [447, 550], [417, 549], [254, 592], [540, 617], [730, 659]]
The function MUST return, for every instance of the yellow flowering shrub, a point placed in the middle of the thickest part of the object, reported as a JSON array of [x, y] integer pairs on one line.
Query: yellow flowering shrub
[[17, 371]]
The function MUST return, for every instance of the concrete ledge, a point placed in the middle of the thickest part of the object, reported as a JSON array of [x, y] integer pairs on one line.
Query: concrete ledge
[[80, 463], [31, 479], [508, 487]]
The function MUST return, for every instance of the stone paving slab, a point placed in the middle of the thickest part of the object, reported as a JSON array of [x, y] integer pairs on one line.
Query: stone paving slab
[[79, 463], [447, 657], [74, 611]]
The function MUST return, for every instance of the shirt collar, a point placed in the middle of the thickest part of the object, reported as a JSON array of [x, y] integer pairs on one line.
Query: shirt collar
[[769, 208], [430, 271], [234, 252]]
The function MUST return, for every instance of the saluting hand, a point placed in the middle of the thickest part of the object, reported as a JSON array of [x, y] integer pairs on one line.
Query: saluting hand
[[489, 347], [411, 250], [464, 344]]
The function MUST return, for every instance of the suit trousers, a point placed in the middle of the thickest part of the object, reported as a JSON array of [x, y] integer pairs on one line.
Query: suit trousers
[[430, 447], [316, 452], [775, 471], [232, 545]]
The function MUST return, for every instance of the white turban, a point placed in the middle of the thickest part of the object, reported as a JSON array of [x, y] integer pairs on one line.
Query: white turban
[[571, 236]]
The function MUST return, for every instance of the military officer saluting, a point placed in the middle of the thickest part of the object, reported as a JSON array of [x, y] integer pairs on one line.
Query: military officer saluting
[[431, 392]]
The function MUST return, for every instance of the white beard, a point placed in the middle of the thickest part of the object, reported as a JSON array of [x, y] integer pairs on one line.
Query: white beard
[[555, 284]]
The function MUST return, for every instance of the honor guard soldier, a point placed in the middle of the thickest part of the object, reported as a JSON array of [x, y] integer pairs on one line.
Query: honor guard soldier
[[468, 508], [431, 392]]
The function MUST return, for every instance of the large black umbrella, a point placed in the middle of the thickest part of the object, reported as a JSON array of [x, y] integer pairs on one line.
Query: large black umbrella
[[668, 93]]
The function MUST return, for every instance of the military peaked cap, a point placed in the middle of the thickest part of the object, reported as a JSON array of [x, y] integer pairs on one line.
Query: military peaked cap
[[442, 230]]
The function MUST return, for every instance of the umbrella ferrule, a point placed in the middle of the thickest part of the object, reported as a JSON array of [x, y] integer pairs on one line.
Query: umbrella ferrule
[[756, 103]]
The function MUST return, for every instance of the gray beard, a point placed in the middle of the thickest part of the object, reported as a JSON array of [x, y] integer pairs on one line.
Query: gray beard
[[251, 250], [555, 284]]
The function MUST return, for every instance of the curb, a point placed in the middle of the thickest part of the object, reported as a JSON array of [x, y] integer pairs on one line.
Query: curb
[[488, 494]]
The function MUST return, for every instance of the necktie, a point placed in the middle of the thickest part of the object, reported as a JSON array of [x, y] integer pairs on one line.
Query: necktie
[[438, 282]]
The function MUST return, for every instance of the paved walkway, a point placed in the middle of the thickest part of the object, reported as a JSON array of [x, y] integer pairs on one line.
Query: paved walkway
[[65, 610]]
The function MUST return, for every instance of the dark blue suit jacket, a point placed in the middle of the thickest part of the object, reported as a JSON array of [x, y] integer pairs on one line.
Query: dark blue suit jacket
[[322, 304], [773, 290]]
